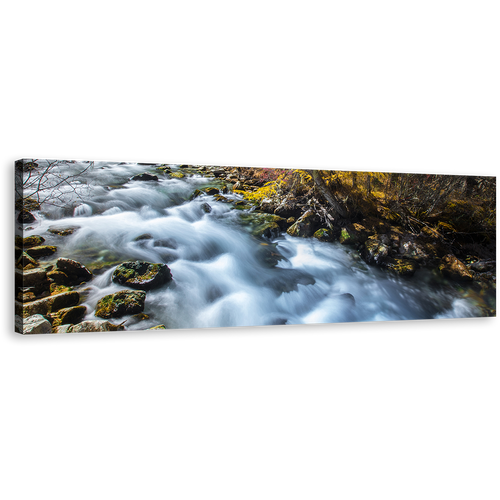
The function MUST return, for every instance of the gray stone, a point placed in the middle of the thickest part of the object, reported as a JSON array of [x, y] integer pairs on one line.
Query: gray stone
[[36, 324], [95, 326]]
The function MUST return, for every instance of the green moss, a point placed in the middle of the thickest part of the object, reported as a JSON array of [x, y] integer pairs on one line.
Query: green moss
[[177, 175], [323, 235]]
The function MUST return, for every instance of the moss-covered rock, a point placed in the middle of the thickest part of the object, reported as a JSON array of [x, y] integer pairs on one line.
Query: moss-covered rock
[[223, 199], [120, 303], [142, 237], [30, 241], [354, 234], [68, 315], [323, 234], [27, 204], [305, 226], [403, 267], [375, 250], [264, 225], [41, 251], [158, 327], [177, 175], [26, 262], [63, 231], [206, 208], [25, 217], [142, 275]]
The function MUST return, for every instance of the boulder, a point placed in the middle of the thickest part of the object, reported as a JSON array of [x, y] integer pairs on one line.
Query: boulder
[[177, 175], [145, 177], [305, 226], [61, 328], [27, 204], [77, 273], [323, 234], [25, 217], [206, 208], [454, 269], [264, 225], [33, 277], [145, 236], [58, 277], [354, 234], [25, 260], [36, 324], [68, 315], [287, 280], [63, 231], [375, 250], [412, 247], [41, 251], [89, 326], [120, 303], [142, 275], [403, 267], [30, 241], [48, 305]]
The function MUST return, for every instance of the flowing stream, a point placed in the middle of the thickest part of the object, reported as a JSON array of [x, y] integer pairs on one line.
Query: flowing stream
[[224, 276]]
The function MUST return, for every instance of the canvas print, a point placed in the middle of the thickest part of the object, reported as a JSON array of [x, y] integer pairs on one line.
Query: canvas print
[[108, 246]]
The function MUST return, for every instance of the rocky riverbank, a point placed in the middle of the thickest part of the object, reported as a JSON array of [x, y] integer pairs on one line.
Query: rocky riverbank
[[50, 290]]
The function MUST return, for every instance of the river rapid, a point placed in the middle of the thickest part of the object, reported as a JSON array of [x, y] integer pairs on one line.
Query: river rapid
[[222, 274]]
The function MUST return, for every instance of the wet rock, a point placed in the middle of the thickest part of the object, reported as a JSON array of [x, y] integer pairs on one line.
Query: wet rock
[[63, 231], [206, 208], [145, 177], [68, 315], [454, 269], [48, 305], [90, 326], [223, 199], [58, 277], [268, 255], [166, 243], [483, 266], [323, 234], [27, 204], [354, 234], [177, 175], [211, 191], [35, 324], [25, 217], [375, 250], [264, 225], [120, 303], [41, 251], [142, 275], [287, 280], [145, 236], [30, 241], [414, 248], [158, 327], [26, 262], [290, 220], [305, 226], [403, 267], [77, 273], [34, 278], [348, 297]]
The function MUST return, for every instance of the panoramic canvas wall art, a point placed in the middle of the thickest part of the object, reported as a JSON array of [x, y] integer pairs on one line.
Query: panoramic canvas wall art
[[107, 246]]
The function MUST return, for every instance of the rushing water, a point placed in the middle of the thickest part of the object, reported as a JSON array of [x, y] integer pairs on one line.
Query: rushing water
[[222, 275]]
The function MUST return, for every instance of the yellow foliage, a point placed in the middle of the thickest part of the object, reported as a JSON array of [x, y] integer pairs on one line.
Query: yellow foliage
[[444, 225]]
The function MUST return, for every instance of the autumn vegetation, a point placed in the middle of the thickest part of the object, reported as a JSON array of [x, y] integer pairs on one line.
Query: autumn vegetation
[[460, 209]]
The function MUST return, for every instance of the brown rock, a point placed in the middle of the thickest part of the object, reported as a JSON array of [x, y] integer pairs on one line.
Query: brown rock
[[48, 305], [454, 269]]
